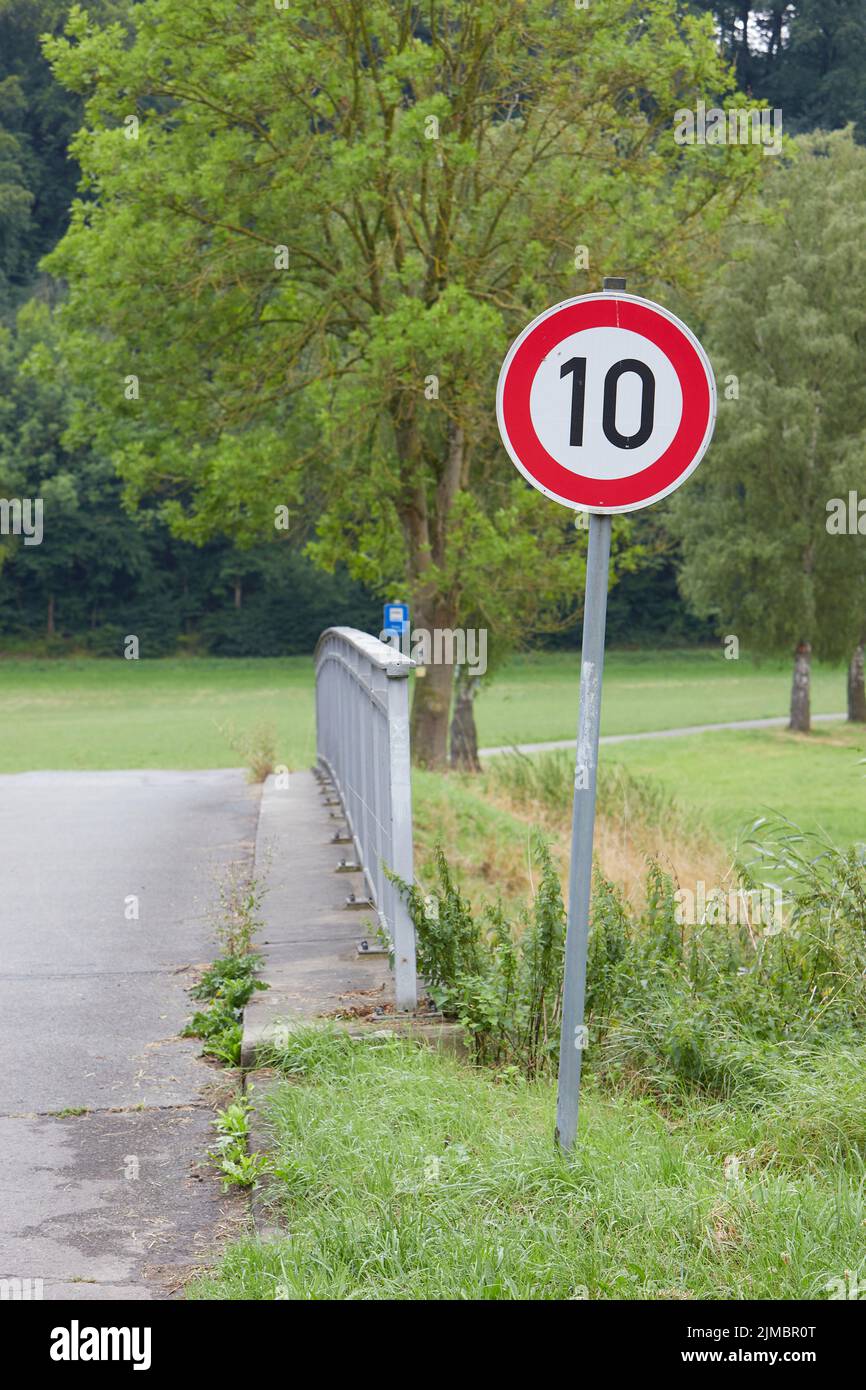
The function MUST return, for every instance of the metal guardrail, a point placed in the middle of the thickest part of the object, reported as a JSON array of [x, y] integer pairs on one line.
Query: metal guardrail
[[362, 740]]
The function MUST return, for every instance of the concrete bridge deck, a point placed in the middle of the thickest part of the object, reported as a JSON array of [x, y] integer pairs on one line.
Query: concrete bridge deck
[[108, 885], [309, 938], [108, 895]]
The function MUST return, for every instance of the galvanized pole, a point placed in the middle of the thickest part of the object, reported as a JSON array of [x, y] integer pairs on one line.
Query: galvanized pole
[[573, 1037]]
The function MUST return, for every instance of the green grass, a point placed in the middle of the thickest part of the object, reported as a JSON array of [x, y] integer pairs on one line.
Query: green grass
[[534, 698], [85, 713], [180, 713], [402, 1174], [453, 811], [172, 713], [734, 777]]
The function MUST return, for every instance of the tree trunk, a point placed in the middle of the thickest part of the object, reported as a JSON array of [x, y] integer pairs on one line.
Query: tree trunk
[[857, 687], [801, 721], [426, 530], [431, 705], [238, 593], [49, 626], [464, 736]]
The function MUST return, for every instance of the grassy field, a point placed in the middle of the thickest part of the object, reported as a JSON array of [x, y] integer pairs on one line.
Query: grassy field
[[485, 826], [169, 713], [401, 1173], [172, 713], [734, 777], [534, 698], [192, 713]]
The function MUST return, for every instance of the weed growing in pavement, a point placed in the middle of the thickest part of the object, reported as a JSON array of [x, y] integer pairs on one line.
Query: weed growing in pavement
[[238, 1167], [257, 747], [229, 983]]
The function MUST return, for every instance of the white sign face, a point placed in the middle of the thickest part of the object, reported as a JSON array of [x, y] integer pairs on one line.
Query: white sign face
[[606, 403]]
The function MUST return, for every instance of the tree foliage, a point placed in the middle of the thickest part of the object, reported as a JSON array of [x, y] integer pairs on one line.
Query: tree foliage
[[787, 321], [37, 119], [807, 57], [98, 573], [329, 225]]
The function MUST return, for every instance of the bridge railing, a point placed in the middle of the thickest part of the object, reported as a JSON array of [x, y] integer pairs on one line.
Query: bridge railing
[[362, 739]]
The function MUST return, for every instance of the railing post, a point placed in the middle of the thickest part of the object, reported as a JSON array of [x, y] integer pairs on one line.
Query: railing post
[[405, 970]]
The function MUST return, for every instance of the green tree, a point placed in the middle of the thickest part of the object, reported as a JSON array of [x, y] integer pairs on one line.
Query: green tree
[[820, 78], [807, 57], [787, 324], [16, 199], [520, 570], [752, 36], [98, 573], [298, 276], [37, 119], [87, 547]]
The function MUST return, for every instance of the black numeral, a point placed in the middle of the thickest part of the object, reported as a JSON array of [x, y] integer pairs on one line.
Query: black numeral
[[578, 396], [576, 366], [647, 404]]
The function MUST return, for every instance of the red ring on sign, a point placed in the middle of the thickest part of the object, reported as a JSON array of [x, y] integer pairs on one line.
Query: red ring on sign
[[607, 312]]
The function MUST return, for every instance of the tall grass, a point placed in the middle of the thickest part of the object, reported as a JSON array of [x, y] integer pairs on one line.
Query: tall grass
[[501, 978], [546, 781], [636, 817], [712, 1007], [403, 1174]]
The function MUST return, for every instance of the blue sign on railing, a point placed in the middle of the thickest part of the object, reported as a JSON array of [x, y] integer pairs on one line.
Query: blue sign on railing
[[396, 618]]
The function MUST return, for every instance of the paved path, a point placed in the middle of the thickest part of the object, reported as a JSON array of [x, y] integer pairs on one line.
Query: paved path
[[310, 938], [116, 1202], [682, 732]]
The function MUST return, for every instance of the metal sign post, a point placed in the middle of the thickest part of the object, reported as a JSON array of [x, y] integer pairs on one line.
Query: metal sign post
[[605, 403], [573, 1037]]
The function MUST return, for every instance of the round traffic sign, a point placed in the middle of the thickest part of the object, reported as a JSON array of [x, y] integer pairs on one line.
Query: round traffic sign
[[606, 403]]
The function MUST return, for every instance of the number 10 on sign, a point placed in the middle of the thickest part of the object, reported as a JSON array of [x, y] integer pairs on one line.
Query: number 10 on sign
[[606, 404]]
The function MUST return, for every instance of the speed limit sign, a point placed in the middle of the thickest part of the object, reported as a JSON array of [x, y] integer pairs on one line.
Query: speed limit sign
[[606, 403]]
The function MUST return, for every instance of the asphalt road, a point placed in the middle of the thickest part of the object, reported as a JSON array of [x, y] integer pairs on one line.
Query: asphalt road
[[118, 1201]]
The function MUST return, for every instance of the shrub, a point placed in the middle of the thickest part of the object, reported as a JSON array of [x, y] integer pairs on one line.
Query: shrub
[[257, 747], [503, 981], [668, 1006]]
